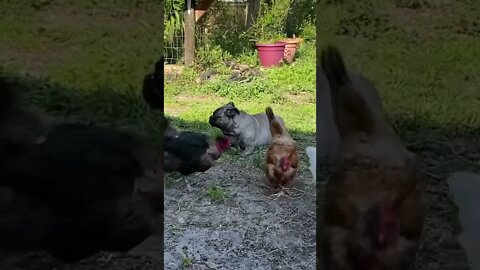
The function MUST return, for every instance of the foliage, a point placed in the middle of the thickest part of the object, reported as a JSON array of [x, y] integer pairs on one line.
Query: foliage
[[301, 19], [290, 89], [271, 22], [308, 32], [173, 19], [211, 56], [223, 26]]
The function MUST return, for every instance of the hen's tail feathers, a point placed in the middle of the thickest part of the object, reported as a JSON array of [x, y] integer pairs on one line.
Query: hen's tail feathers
[[275, 127], [350, 109]]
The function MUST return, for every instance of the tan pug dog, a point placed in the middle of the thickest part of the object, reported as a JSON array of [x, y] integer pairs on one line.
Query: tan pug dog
[[244, 130]]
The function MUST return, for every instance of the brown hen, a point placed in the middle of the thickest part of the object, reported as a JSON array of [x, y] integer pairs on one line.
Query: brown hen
[[282, 155], [373, 210]]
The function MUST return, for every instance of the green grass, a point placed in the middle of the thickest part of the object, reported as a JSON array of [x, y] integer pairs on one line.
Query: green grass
[[88, 59], [424, 60], [289, 89], [217, 194], [186, 262]]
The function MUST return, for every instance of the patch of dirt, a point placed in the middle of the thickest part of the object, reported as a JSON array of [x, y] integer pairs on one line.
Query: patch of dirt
[[174, 111], [442, 156], [246, 230], [301, 98], [172, 72]]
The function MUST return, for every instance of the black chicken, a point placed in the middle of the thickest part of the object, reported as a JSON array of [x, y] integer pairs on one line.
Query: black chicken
[[185, 152], [82, 190], [191, 152]]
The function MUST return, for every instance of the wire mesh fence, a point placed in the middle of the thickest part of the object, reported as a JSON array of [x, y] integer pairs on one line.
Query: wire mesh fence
[[174, 31], [224, 20], [174, 49]]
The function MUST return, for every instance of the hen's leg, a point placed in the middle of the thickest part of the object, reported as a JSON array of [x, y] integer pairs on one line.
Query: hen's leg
[[285, 190], [282, 191]]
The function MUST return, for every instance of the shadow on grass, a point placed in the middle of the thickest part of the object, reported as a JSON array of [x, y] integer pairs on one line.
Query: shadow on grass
[[121, 109], [303, 139], [111, 107]]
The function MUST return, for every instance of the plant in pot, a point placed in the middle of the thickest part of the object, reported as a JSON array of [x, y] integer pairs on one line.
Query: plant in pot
[[268, 32], [291, 47], [270, 51]]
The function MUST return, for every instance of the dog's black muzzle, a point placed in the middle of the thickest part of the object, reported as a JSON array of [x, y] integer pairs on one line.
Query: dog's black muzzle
[[213, 121]]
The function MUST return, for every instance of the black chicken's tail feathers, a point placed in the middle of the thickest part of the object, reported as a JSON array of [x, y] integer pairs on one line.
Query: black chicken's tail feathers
[[350, 109], [275, 127]]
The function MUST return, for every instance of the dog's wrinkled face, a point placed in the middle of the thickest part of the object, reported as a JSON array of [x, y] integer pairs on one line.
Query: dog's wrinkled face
[[224, 118]]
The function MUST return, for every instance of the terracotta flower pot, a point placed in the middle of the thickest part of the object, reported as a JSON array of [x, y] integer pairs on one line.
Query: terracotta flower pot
[[271, 55], [291, 47]]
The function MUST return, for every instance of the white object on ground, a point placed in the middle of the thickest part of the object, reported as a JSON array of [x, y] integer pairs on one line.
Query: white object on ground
[[312, 158], [465, 190]]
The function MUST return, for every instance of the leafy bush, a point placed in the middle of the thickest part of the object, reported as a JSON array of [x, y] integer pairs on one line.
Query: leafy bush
[[210, 56], [173, 19], [271, 22]]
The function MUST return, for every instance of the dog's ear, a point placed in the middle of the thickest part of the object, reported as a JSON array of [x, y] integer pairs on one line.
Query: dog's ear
[[231, 104], [232, 112]]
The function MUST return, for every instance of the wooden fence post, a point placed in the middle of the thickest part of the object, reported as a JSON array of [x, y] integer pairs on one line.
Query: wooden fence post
[[189, 32], [253, 6]]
